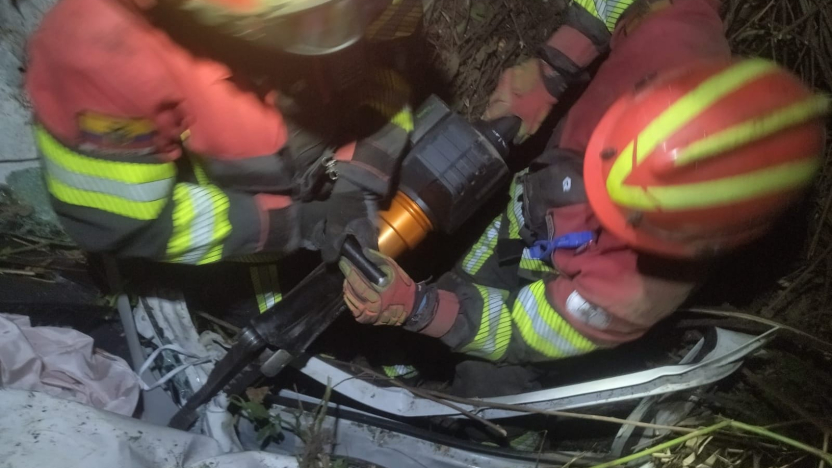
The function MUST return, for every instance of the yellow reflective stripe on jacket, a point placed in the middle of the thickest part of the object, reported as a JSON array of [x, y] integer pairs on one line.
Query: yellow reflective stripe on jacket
[[180, 239], [494, 334], [129, 209], [400, 370], [401, 117], [222, 225], [483, 249], [266, 286], [127, 172], [608, 11], [671, 120], [515, 208], [542, 328], [200, 224], [199, 172], [133, 190], [404, 119], [391, 98], [532, 264]]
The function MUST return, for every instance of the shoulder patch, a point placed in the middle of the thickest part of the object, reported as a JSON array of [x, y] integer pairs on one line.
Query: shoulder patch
[[586, 312], [101, 131]]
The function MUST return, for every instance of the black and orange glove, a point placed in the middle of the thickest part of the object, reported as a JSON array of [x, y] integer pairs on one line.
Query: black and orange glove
[[400, 301], [390, 304], [325, 224]]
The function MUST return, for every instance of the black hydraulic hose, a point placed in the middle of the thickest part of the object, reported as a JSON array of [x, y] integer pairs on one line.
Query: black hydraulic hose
[[247, 348]]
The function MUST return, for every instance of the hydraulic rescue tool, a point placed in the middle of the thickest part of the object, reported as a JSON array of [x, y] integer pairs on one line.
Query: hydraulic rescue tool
[[453, 168]]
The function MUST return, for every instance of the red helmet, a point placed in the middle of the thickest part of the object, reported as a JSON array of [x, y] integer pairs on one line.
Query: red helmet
[[704, 159], [304, 27]]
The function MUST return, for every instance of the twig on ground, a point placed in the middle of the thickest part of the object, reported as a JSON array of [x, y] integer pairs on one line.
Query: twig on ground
[[563, 414], [791, 405], [793, 423], [783, 439], [219, 322], [516, 27], [824, 448], [21, 160], [8, 271], [813, 245], [772, 307], [55, 242], [666, 445], [717, 427], [751, 21], [817, 342], [28, 248]]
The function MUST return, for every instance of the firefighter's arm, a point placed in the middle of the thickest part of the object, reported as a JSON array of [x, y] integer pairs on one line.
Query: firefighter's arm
[[601, 304], [138, 209], [531, 324], [258, 155], [530, 89], [600, 299], [110, 133], [382, 125]]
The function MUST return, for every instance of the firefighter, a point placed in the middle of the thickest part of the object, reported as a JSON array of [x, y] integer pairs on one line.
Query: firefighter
[[193, 131], [672, 155]]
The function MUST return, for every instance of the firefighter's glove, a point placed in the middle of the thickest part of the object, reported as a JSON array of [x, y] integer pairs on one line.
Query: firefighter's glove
[[325, 224], [522, 91], [389, 304]]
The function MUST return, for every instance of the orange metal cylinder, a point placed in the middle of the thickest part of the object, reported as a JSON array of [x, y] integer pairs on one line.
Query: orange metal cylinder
[[402, 226]]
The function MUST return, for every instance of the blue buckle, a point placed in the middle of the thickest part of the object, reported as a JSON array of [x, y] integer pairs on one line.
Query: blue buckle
[[543, 249]]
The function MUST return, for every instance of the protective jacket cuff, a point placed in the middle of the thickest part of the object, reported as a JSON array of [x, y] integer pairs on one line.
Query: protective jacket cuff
[[279, 226], [447, 310]]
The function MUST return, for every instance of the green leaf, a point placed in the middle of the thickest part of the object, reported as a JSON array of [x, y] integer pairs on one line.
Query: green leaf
[[479, 11], [252, 410]]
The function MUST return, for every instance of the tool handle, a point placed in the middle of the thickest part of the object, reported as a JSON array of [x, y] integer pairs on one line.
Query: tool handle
[[352, 252], [500, 132]]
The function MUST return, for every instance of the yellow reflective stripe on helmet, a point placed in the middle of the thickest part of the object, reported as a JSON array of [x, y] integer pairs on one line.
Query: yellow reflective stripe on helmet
[[671, 120], [494, 334], [200, 224], [126, 172], [542, 328], [483, 249], [753, 130], [733, 189], [101, 201]]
